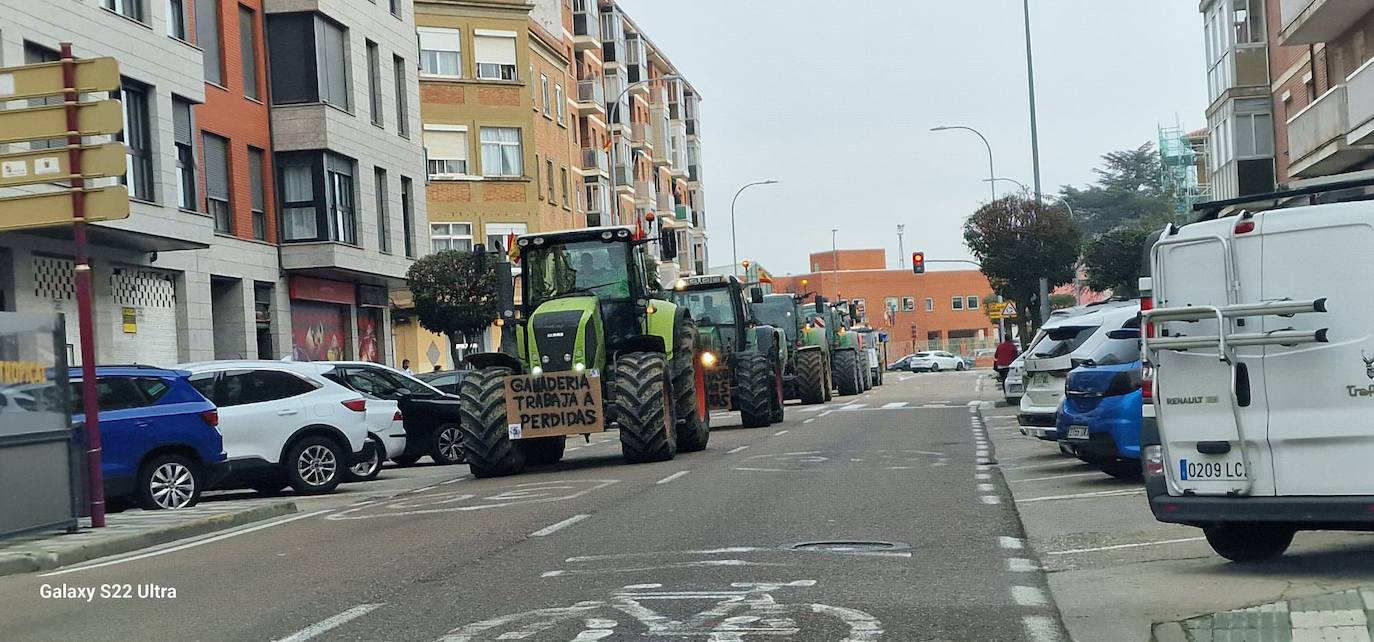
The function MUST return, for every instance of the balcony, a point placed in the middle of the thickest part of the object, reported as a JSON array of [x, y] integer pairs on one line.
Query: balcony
[[682, 213], [591, 97], [1317, 137], [646, 194], [1308, 22], [664, 202], [624, 177], [639, 136], [1360, 101], [593, 200], [586, 26], [595, 160]]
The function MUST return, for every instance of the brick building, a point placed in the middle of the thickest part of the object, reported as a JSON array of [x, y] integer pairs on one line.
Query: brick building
[[935, 310]]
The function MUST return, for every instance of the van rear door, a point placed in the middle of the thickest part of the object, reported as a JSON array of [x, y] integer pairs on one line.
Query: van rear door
[[1321, 395], [1211, 447]]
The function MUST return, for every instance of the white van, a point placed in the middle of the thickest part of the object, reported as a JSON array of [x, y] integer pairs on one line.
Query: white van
[[1263, 355], [1077, 335]]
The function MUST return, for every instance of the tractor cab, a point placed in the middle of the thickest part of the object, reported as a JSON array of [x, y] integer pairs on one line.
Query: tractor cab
[[718, 306]]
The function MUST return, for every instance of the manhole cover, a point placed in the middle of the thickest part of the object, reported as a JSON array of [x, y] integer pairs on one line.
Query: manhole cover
[[849, 546]]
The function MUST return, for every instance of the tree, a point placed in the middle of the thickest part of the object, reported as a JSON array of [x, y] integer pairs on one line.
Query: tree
[[1113, 260], [1130, 188], [1061, 301], [455, 293], [1017, 241]]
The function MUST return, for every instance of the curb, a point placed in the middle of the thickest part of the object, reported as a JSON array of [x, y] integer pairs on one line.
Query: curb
[[59, 556]]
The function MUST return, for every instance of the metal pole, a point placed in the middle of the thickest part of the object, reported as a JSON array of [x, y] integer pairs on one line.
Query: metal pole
[[1035, 150], [992, 172], [610, 115], [84, 312], [901, 246], [835, 262], [734, 245]]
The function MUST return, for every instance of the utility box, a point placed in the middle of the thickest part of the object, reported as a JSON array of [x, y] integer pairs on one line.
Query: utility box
[[40, 472]]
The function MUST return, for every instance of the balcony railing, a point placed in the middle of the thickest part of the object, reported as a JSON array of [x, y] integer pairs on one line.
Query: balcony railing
[[1360, 101], [1316, 135], [639, 135], [1308, 22], [597, 159], [592, 92], [588, 22]]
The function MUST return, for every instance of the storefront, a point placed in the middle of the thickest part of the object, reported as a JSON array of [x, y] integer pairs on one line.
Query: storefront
[[337, 320]]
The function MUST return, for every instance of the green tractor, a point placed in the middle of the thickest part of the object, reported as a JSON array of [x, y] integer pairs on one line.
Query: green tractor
[[845, 370], [807, 372], [597, 345], [745, 358]]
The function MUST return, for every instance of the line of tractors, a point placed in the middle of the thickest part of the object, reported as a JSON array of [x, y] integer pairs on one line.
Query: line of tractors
[[594, 318]]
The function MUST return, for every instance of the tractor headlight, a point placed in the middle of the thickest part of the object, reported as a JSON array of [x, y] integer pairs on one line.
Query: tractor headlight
[[536, 371], [579, 366], [680, 285], [709, 359], [606, 235]]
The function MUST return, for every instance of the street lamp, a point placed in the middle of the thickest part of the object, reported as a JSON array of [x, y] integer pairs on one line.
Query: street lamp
[[1009, 180], [734, 245], [611, 115], [992, 173]]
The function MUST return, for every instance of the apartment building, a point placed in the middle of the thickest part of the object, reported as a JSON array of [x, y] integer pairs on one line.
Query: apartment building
[[271, 167], [1240, 120]]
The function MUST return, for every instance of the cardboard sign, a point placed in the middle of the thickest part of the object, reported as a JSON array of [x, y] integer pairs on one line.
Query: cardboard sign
[[718, 389], [553, 404]]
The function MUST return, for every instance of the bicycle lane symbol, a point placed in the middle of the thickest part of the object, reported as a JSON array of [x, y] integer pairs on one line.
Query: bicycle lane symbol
[[744, 611]]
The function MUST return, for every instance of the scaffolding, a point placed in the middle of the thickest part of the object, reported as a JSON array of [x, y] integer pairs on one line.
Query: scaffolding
[[1183, 167]]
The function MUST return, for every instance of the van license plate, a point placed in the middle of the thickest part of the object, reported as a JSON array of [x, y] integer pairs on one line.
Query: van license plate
[[1213, 470], [1078, 432]]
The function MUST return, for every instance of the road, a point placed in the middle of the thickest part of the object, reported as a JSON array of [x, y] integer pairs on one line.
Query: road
[[725, 544]]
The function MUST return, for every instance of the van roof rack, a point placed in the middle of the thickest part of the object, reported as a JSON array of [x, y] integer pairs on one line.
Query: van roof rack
[[1212, 209]]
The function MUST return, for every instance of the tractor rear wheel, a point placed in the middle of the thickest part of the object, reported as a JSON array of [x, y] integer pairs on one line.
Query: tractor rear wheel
[[755, 388], [482, 413], [545, 450], [694, 423], [865, 377], [641, 405], [846, 372], [811, 380]]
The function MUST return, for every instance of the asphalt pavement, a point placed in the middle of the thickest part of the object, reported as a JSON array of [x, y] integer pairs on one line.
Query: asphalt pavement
[[867, 519]]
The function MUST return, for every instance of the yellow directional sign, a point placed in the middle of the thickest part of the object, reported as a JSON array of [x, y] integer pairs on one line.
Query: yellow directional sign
[[51, 165], [55, 208], [50, 121], [32, 81]]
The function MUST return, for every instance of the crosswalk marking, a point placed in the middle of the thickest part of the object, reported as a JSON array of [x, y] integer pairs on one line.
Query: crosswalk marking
[[894, 404]]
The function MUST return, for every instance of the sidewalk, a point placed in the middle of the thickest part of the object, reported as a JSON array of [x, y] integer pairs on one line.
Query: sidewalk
[[1343, 617], [130, 530]]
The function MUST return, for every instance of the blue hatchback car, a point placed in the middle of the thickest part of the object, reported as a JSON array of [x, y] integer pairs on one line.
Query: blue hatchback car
[[159, 437], [1099, 421]]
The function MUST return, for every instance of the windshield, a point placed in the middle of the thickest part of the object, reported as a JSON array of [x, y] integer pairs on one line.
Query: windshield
[[779, 313], [587, 267], [708, 307]]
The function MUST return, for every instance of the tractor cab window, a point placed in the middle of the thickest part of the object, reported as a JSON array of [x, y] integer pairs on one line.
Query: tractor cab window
[[779, 313], [587, 268], [708, 307]]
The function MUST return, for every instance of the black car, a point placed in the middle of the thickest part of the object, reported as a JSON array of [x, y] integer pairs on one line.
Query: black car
[[447, 381], [430, 415]]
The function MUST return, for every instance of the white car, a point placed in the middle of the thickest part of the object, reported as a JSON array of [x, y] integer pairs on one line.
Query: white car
[[1078, 335], [935, 361], [1014, 384], [284, 424], [385, 421]]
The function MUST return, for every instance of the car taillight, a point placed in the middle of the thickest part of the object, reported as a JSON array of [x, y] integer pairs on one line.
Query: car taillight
[[356, 405], [1125, 382], [1147, 384], [211, 417], [1153, 458], [1147, 303], [397, 416]]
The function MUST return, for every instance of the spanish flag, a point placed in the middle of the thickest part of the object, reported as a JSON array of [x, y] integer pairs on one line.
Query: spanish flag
[[765, 277]]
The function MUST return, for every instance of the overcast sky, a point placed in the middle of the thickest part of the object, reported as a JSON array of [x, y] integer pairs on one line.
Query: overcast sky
[[836, 99]]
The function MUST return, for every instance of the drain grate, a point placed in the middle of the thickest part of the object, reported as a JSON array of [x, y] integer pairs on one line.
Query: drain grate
[[849, 546]]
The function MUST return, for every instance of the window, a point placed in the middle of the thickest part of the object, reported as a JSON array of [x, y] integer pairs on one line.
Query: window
[[560, 104], [446, 147], [137, 138], [256, 187], [567, 200], [374, 83], [930, 305], [396, 8], [973, 303], [186, 156], [34, 54], [451, 236], [407, 218], [548, 178], [216, 149], [248, 51], [908, 304], [544, 92], [152, 389], [240, 387], [1254, 128], [538, 176], [383, 218], [402, 105], [112, 393], [956, 303], [208, 39], [309, 61], [299, 203], [1247, 18], [495, 54], [499, 234], [342, 211], [440, 52], [127, 8], [501, 152], [319, 197], [890, 304], [176, 19]]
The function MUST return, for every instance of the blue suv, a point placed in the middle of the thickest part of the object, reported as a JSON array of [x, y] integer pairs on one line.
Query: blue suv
[[1099, 421], [160, 438]]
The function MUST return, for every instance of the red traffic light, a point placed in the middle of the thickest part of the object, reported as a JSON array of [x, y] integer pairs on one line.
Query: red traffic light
[[918, 262]]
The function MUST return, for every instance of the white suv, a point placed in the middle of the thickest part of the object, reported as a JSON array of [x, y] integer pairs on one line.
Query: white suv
[[284, 423], [1078, 335]]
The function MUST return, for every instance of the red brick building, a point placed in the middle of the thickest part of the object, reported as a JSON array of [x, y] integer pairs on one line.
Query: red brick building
[[938, 309]]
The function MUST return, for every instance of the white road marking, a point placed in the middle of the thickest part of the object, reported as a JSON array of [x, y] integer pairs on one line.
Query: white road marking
[[330, 623], [554, 528], [1051, 477], [853, 406], [809, 420], [780, 432], [987, 488], [981, 453], [673, 476], [982, 476], [1040, 628], [1100, 493], [455, 480], [183, 547], [572, 448], [1117, 547], [1028, 596], [421, 490], [735, 450], [1012, 543], [990, 499], [894, 404], [1021, 565]]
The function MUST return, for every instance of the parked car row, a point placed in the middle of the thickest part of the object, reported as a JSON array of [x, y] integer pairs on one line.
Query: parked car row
[[170, 434]]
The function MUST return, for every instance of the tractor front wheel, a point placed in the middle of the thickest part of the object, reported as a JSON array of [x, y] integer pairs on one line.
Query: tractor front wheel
[[641, 405], [754, 389], [482, 412], [811, 379], [693, 420]]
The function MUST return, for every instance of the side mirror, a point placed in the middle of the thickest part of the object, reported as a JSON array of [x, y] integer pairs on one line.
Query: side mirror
[[755, 296]]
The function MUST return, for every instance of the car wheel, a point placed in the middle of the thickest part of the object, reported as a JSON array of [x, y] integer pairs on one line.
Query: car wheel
[[315, 465], [446, 445], [168, 482], [368, 469], [961, 367], [935, 367], [1249, 542]]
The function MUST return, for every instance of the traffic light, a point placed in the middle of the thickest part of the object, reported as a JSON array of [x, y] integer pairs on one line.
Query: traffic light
[[918, 262]]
